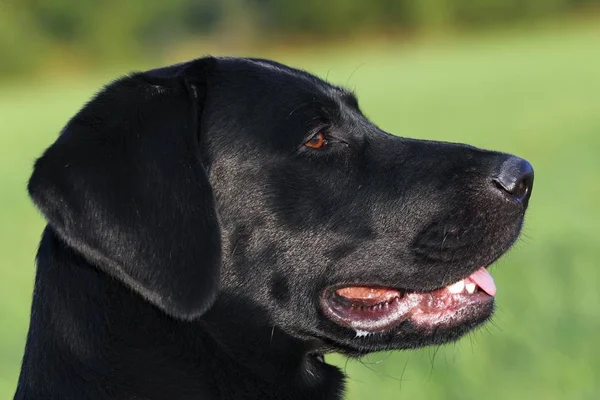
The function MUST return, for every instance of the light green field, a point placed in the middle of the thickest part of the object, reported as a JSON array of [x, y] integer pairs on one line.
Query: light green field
[[535, 94]]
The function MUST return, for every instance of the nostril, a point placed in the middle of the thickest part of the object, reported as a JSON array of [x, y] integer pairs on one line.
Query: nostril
[[499, 184], [515, 178], [519, 189]]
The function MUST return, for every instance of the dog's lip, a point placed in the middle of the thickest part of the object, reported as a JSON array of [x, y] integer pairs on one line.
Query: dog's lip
[[375, 308]]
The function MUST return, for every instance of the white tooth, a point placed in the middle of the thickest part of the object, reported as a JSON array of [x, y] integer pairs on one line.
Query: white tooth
[[470, 287], [457, 287]]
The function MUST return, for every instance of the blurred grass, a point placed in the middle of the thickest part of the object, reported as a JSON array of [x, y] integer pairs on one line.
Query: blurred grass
[[533, 93]]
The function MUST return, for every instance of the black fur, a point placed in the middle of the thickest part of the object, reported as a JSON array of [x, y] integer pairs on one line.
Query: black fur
[[191, 234]]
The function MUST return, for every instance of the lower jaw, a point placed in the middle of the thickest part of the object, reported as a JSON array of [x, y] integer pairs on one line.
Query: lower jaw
[[425, 312], [467, 317]]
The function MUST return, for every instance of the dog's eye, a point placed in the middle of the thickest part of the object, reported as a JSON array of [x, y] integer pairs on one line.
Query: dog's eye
[[317, 141]]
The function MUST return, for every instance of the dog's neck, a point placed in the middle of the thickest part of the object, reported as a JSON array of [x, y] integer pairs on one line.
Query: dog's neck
[[117, 345], [280, 366], [286, 364]]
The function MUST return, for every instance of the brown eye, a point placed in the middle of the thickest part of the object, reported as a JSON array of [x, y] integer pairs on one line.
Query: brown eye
[[316, 142]]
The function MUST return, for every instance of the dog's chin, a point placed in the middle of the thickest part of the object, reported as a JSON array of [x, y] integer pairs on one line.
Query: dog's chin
[[407, 335], [374, 318]]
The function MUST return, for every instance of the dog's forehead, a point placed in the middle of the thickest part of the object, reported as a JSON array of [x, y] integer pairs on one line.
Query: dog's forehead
[[285, 78]]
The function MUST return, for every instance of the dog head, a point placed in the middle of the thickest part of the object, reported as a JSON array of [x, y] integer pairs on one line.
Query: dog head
[[246, 178]]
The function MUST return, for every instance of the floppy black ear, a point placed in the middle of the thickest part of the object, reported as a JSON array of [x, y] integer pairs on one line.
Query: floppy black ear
[[124, 185]]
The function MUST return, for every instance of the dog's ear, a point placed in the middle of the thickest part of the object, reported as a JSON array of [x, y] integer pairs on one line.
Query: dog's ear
[[125, 186]]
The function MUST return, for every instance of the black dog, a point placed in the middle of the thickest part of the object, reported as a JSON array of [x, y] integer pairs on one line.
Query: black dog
[[216, 226]]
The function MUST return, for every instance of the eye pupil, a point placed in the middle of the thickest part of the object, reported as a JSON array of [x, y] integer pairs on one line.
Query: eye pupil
[[317, 141]]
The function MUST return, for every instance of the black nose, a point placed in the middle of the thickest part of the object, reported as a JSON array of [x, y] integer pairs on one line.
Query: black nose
[[515, 179]]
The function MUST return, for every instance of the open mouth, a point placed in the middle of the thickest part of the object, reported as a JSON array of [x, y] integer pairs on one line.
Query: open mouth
[[370, 309]]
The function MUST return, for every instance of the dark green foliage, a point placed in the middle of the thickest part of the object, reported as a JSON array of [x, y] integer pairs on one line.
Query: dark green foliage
[[101, 30]]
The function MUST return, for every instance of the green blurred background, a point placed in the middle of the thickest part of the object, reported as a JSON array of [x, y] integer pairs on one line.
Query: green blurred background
[[521, 76]]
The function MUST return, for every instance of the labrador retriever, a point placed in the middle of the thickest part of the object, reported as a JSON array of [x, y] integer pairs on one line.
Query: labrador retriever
[[215, 227]]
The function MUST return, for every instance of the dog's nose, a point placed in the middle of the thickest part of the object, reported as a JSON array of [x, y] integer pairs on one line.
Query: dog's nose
[[514, 179]]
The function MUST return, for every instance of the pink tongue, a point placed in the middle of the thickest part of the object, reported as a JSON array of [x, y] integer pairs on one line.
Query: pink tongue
[[484, 280]]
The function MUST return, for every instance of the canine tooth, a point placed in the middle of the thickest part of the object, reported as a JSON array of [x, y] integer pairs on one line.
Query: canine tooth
[[457, 287], [470, 286]]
